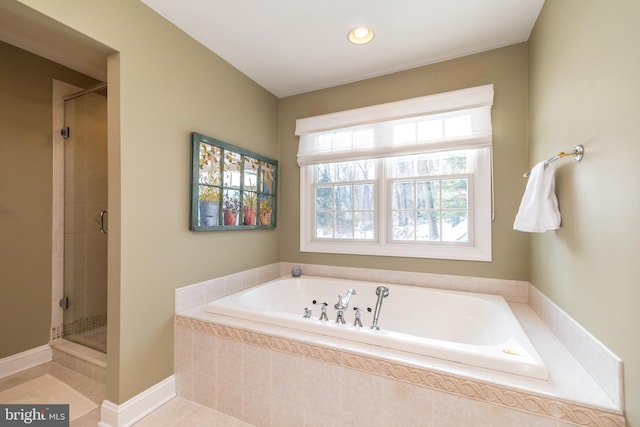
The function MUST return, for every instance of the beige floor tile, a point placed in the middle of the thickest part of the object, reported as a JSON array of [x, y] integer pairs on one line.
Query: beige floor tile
[[178, 412]]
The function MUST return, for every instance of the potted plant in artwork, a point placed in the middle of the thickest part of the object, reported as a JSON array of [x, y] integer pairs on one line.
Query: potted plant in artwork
[[230, 209], [250, 208], [209, 205], [265, 211], [209, 180]]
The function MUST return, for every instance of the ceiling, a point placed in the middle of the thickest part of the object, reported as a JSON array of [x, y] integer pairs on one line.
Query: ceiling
[[296, 46]]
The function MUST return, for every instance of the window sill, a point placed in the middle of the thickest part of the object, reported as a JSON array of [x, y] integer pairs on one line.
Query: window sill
[[440, 251]]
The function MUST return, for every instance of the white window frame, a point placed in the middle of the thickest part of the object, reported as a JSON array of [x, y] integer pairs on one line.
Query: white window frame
[[480, 203]]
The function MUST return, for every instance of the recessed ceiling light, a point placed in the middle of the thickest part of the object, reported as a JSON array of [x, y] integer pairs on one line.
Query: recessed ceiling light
[[360, 35]]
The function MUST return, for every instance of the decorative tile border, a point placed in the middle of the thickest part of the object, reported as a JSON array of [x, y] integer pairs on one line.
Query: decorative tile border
[[560, 410], [78, 326]]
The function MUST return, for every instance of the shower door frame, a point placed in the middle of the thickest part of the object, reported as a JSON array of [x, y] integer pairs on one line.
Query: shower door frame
[[61, 90]]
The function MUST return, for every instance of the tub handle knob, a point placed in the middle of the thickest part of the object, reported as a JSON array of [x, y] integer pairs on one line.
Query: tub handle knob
[[323, 310], [357, 322]]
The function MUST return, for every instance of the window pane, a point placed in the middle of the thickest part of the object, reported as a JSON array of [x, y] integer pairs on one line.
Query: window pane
[[343, 197], [344, 225], [232, 163], [455, 226], [457, 126], [402, 195], [453, 162], [324, 198], [403, 167], [209, 171], [363, 138], [430, 129], [344, 171], [404, 133], [363, 197], [360, 170], [428, 226], [342, 141], [364, 225], [403, 226], [365, 170], [324, 225], [325, 173], [454, 193], [267, 178], [428, 194]]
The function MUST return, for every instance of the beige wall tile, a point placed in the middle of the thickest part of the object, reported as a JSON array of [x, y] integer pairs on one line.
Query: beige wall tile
[[406, 404], [204, 389], [204, 353], [229, 398], [256, 369], [286, 413], [256, 408], [229, 361], [289, 377]]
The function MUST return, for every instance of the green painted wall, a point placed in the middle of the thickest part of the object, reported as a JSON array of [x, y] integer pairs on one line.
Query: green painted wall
[[507, 69], [26, 195], [585, 89], [162, 86]]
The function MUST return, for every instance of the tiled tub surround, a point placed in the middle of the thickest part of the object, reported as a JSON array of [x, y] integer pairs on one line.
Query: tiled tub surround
[[269, 375]]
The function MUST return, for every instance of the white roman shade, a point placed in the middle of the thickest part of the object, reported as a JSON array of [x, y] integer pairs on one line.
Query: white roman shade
[[446, 121]]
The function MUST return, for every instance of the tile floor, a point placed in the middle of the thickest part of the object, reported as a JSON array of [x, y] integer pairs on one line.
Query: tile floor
[[178, 412], [94, 390]]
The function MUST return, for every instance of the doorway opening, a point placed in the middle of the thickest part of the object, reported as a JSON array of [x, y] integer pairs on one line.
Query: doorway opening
[[81, 216]]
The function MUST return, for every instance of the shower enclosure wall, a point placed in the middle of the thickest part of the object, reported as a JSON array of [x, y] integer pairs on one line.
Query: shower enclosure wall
[[83, 298]]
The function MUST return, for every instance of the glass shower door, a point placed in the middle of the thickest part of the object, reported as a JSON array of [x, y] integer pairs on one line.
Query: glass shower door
[[85, 221]]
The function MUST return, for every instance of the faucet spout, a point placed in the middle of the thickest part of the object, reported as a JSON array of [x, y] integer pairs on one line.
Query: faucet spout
[[343, 301]]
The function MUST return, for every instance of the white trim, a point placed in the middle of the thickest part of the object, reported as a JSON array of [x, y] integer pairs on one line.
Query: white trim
[[25, 360], [139, 406]]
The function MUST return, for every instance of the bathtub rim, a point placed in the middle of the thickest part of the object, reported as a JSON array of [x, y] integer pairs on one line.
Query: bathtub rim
[[485, 356]]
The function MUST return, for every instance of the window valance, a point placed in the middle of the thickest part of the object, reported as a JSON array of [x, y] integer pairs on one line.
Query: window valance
[[451, 120]]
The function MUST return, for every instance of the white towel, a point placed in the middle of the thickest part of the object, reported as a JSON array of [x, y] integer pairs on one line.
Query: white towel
[[539, 207]]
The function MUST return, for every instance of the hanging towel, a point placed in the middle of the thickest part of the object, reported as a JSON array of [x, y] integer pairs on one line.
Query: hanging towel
[[539, 207]]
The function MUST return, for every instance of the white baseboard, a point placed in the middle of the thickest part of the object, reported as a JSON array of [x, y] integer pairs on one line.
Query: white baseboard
[[134, 409], [25, 360]]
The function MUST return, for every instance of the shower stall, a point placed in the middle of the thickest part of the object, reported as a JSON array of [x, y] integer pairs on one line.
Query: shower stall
[[86, 218]]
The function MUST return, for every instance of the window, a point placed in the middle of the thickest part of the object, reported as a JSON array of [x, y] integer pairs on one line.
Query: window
[[410, 179]]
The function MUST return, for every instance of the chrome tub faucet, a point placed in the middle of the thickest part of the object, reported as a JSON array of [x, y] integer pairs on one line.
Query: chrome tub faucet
[[343, 301]]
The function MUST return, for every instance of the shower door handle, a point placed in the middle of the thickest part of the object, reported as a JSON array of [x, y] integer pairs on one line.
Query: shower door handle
[[102, 214]]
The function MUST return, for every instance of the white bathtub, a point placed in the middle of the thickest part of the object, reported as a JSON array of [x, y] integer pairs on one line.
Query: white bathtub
[[473, 329]]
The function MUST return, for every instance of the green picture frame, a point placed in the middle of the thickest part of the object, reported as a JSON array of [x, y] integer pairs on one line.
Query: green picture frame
[[231, 188]]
